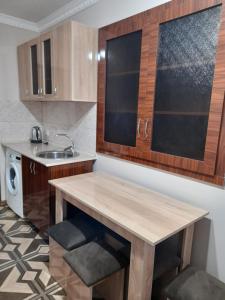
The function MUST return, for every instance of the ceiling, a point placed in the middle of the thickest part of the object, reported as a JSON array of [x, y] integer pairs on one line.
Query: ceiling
[[31, 10], [38, 15]]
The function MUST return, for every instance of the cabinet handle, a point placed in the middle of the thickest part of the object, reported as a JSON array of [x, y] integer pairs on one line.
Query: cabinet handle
[[31, 163], [138, 128], [40, 92], [34, 169], [146, 129]]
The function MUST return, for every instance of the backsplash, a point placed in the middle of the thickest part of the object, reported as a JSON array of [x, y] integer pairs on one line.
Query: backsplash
[[78, 120]]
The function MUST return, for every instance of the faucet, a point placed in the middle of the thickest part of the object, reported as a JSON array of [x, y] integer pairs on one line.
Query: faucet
[[70, 148]]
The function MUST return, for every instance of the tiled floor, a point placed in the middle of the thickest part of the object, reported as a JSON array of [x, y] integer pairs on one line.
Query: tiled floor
[[24, 261]]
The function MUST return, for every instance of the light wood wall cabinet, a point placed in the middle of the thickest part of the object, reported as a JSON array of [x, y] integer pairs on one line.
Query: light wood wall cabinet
[[161, 88], [60, 65]]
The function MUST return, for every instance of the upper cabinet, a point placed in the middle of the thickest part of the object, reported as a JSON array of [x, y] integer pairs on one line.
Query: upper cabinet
[[60, 65], [161, 88], [121, 74]]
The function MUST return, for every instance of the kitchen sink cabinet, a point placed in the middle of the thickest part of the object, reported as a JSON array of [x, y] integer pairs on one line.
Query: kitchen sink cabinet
[[38, 196], [167, 110], [61, 65]]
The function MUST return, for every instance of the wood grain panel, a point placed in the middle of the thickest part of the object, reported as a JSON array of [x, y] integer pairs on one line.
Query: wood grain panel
[[143, 213], [212, 168], [142, 262], [74, 48], [76, 289], [39, 197], [35, 193], [35, 41], [44, 37], [127, 26], [58, 267], [62, 58], [113, 287], [187, 246], [84, 63], [24, 71], [170, 11]]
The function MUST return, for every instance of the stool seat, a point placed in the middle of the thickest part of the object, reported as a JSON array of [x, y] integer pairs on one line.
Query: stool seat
[[194, 284], [73, 233], [95, 261]]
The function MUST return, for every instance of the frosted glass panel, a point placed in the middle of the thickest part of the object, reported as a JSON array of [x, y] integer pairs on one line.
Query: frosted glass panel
[[185, 70], [34, 71], [47, 67], [122, 87]]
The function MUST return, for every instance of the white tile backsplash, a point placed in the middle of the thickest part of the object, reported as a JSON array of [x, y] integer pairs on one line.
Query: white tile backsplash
[[78, 120]]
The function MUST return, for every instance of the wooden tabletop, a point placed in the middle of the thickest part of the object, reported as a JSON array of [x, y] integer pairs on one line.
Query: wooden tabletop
[[149, 215]]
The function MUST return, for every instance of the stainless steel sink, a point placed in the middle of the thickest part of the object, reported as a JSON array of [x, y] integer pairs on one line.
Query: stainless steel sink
[[55, 154]]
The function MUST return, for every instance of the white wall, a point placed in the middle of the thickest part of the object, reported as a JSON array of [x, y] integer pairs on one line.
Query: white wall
[[16, 118], [199, 194]]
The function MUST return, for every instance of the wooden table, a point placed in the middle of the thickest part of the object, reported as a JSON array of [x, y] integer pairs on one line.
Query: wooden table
[[142, 216]]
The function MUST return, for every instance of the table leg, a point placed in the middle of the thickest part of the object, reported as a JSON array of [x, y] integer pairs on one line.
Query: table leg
[[141, 270], [187, 246], [58, 206]]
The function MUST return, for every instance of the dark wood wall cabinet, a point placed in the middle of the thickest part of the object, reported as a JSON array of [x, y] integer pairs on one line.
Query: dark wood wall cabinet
[[38, 195], [161, 89]]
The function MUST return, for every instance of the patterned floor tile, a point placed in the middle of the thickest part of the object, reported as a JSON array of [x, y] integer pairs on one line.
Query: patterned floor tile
[[24, 258]]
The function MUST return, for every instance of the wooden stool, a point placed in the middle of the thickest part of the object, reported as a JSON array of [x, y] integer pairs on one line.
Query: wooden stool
[[193, 284], [98, 266], [67, 236]]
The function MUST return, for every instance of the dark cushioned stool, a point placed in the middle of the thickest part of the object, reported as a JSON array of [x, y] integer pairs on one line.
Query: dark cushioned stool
[[194, 284], [66, 236], [98, 265]]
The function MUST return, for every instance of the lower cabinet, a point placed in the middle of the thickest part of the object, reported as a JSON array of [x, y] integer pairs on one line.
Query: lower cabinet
[[38, 195]]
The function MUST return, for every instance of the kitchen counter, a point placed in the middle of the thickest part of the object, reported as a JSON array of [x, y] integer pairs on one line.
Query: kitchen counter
[[30, 150]]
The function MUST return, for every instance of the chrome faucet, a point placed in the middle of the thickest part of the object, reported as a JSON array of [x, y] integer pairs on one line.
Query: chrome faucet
[[70, 148]]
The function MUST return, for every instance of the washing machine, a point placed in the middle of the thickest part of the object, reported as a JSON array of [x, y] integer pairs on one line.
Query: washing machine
[[14, 185]]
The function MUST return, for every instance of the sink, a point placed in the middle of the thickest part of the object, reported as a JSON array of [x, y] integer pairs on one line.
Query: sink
[[55, 154]]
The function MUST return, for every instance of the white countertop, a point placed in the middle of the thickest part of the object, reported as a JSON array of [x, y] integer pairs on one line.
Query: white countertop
[[30, 150]]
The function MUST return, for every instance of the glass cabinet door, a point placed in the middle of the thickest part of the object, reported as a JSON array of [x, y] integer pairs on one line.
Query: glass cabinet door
[[47, 66], [34, 65], [123, 55], [185, 71], [46, 42]]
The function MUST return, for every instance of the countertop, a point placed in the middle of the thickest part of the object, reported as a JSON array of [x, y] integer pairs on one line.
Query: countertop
[[30, 150], [149, 215]]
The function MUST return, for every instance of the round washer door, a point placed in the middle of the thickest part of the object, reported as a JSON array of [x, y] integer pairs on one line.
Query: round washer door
[[12, 178]]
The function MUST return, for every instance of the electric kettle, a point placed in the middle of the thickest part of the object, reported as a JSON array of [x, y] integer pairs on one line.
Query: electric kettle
[[36, 135]]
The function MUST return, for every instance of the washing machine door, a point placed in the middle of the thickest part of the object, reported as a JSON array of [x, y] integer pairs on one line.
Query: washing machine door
[[12, 179]]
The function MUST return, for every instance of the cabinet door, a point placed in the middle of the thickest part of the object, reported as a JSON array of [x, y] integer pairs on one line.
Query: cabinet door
[[120, 89], [62, 61], [36, 193], [23, 71], [47, 59], [186, 92], [34, 62]]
